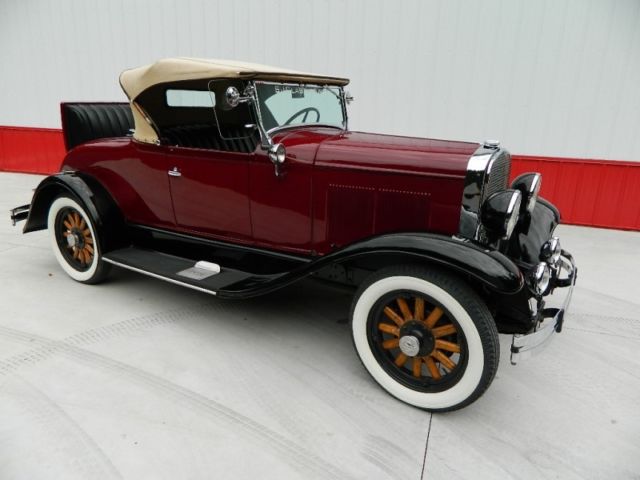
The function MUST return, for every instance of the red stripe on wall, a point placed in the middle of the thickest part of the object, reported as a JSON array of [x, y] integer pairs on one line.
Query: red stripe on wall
[[595, 193], [31, 150], [599, 193]]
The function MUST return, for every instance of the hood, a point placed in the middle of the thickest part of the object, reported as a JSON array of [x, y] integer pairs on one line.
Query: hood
[[377, 152]]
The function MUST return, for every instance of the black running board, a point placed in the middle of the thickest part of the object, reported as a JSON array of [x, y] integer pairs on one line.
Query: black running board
[[185, 272]]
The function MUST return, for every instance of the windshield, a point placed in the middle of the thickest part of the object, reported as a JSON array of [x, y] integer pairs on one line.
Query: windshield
[[284, 104]]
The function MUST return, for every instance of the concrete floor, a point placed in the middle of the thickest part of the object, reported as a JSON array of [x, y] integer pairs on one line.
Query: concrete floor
[[141, 379]]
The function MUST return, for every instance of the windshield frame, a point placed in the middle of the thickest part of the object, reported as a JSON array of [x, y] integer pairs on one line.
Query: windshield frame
[[341, 98]]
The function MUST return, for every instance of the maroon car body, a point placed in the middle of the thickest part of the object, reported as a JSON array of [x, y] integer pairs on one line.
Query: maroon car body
[[337, 188]]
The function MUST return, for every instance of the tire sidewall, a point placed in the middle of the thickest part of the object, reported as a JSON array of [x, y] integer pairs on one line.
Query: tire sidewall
[[471, 377], [81, 276]]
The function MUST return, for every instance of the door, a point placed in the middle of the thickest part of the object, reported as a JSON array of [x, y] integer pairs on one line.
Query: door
[[137, 179], [210, 192]]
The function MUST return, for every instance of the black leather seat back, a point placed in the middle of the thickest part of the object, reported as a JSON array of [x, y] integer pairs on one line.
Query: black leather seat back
[[207, 136], [82, 122]]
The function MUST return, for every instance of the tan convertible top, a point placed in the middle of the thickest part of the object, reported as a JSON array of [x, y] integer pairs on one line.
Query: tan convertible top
[[137, 80]]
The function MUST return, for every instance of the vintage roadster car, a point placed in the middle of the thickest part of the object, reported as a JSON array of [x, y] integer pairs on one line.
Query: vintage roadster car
[[239, 179]]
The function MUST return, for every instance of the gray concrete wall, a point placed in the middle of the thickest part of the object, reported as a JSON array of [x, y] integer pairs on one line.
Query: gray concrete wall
[[556, 78]]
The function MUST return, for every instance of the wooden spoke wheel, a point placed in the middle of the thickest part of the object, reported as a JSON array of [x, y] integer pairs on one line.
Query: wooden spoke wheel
[[74, 241], [75, 238], [425, 336], [417, 341]]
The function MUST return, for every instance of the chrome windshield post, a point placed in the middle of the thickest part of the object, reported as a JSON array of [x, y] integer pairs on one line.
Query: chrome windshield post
[[266, 142], [346, 98]]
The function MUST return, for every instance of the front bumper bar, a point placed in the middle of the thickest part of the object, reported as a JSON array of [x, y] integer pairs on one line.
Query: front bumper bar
[[19, 213], [524, 346]]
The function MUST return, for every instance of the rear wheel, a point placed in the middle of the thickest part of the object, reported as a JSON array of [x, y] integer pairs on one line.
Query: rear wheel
[[425, 337], [74, 241]]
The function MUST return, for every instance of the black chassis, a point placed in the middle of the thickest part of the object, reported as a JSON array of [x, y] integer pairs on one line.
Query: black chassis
[[496, 272]]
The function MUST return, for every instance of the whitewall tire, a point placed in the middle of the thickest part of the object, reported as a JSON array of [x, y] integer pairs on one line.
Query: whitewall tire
[[425, 336], [74, 241]]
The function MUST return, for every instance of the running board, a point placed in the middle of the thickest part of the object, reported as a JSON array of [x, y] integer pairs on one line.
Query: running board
[[203, 276]]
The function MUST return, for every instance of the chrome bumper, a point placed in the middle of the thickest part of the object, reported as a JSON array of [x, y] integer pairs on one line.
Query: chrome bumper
[[524, 346], [19, 213]]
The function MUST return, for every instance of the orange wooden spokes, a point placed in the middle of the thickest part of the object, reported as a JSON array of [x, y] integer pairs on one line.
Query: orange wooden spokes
[[391, 343], [385, 327], [449, 346], [400, 360], [393, 316], [444, 330], [404, 308], [419, 309], [417, 367], [433, 369], [443, 359], [76, 222], [415, 308], [433, 317]]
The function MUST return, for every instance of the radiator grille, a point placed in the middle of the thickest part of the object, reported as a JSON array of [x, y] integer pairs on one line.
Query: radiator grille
[[498, 175]]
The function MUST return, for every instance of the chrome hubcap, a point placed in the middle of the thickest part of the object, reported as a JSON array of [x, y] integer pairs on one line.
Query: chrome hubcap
[[409, 345], [72, 240]]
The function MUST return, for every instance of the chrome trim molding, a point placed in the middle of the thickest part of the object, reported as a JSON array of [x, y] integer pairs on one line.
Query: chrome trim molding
[[512, 204], [159, 277], [477, 177]]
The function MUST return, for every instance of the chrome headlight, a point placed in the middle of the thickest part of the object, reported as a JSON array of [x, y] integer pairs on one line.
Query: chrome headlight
[[551, 251], [529, 185], [538, 279], [499, 213]]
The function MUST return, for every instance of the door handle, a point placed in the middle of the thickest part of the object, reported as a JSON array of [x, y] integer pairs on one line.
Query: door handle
[[174, 172]]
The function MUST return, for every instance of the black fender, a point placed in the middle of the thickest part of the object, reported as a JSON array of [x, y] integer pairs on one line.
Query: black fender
[[91, 194], [527, 240], [489, 267]]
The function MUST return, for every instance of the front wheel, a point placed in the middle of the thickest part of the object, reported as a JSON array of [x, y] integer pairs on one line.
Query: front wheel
[[74, 241], [425, 336]]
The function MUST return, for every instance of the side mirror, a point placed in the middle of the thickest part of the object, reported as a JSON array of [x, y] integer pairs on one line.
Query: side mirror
[[277, 155], [348, 98], [231, 97]]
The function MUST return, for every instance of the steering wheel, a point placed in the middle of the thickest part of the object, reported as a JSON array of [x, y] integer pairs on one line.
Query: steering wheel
[[306, 112]]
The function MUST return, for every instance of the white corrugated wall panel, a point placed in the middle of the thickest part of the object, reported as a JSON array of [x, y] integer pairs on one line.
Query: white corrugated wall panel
[[557, 78]]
